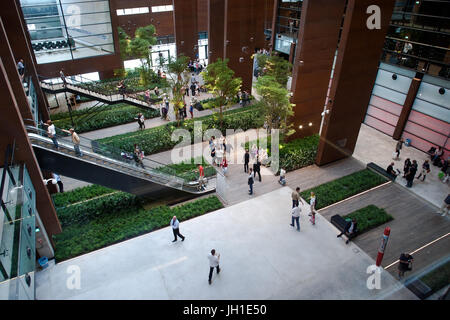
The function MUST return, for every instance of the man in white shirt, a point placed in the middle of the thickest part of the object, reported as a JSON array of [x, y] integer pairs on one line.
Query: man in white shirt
[[175, 224], [296, 217], [58, 181], [51, 132], [213, 263]]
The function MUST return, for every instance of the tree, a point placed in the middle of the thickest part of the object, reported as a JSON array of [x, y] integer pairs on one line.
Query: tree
[[178, 78], [276, 105], [274, 66], [139, 47], [219, 80]]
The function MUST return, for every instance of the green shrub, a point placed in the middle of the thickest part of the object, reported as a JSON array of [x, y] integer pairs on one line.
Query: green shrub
[[188, 170], [158, 139], [88, 120], [342, 188], [369, 217], [107, 227], [79, 194], [295, 154], [438, 278]]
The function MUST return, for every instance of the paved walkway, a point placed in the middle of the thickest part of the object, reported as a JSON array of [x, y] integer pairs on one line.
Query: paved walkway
[[415, 225], [262, 257], [374, 146]]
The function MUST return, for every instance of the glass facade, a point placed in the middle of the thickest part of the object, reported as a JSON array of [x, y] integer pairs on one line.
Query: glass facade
[[68, 29], [419, 37], [287, 24], [17, 234]]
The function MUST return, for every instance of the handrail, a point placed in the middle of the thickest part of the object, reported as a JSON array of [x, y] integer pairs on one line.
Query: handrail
[[115, 156]]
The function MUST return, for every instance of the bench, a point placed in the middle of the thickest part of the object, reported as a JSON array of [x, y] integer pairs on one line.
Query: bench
[[376, 168], [340, 223]]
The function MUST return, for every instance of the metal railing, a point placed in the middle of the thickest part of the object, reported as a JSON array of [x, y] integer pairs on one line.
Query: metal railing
[[114, 158]]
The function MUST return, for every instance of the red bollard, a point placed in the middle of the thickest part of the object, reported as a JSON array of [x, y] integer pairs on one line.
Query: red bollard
[[384, 241]]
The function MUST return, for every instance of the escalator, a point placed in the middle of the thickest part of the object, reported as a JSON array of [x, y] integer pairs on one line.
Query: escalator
[[97, 93], [109, 167]]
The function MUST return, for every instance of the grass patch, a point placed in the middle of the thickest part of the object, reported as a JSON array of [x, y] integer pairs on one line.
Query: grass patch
[[369, 217], [121, 221], [188, 170], [342, 188], [438, 278]]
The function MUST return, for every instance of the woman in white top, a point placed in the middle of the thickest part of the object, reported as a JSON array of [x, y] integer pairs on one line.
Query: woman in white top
[[312, 204], [51, 132]]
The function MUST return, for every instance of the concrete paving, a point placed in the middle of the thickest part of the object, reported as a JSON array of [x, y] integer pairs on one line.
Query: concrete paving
[[262, 257], [375, 146]]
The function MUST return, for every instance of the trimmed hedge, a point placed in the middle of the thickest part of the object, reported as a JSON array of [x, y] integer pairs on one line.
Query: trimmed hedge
[[342, 188], [188, 170], [158, 139], [114, 115], [79, 194], [295, 154], [112, 227], [369, 217]]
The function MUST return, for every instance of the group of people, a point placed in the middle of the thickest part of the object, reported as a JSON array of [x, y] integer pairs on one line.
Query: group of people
[[243, 98], [195, 66], [51, 133]]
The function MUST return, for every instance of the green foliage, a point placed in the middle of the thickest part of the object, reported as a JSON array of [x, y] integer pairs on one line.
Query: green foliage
[[109, 227], [219, 80], [276, 104], [438, 278], [369, 217], [79, 194], [188, 170], [88, 210], [178, 79], [293, 155], [147, 33], [88, 120], [157, 139], [276, 67], [123, 43], [342, 188]]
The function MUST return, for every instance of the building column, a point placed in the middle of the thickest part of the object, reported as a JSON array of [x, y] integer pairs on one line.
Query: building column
[[407, 107], [185, 26], [216, 12], [354, 76], [317, 43], [244, 31]]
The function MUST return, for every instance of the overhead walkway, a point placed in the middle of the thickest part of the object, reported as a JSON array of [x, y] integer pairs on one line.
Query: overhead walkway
[[97, 93], [107, 166]]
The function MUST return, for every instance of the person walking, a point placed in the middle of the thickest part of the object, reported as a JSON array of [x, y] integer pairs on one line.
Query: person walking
[[411, 174], [246, 160], [257, 168], [213, 258], [63, 77], [425, 170], [445, 206], [21, 68], [75, 140], [201, 177], [191, 110], [140, 119], [312, 206], [58, 181], [138, 156], [251, 180], [404, 264], [224, 164], [296, 217], [213, 153], [398, 147], [51, 132], [175, 224], [296, 197]]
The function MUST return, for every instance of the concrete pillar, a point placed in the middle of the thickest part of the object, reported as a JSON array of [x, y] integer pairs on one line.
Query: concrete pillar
[[355, 73]]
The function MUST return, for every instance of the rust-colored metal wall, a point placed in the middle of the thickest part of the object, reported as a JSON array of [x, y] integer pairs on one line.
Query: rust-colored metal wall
[[318, 37], [216, 23], [185, 24], [355, 72]]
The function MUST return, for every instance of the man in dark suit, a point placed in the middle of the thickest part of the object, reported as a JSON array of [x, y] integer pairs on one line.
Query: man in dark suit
[[257, 168], [350, 230]]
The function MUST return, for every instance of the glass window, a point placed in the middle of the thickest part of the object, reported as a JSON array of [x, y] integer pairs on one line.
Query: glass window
[[162, 8], [68, 29]]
